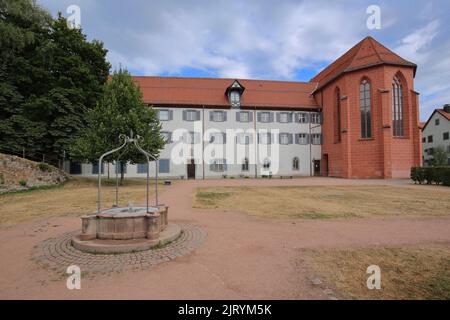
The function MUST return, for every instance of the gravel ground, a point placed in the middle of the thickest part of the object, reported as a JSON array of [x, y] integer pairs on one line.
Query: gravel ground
[[242, 257]]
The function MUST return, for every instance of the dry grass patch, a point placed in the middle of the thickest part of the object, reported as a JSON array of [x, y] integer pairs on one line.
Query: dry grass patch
[[318, 202], [406, 272], [76, 197]]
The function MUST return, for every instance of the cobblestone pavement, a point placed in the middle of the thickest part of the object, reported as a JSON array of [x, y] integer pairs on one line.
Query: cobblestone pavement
[[58, 253]]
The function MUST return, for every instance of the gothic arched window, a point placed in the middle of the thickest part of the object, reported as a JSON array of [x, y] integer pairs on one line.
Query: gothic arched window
[[397, 107], [337, 116], [365, 108]]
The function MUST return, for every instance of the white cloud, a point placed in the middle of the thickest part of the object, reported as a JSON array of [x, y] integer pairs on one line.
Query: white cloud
[[249, 39], [413, 45], [266, 40], [433, 76]]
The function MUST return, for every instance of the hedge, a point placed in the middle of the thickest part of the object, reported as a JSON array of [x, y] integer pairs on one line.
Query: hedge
[[429, 175]]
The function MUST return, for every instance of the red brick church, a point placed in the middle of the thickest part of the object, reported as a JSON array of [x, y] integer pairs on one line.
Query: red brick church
[[370, 112]]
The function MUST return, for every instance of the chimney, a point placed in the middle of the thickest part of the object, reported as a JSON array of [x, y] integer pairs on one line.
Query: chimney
[[446, 108]]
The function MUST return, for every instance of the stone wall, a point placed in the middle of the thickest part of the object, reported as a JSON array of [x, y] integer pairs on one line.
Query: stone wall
[[21, 174]]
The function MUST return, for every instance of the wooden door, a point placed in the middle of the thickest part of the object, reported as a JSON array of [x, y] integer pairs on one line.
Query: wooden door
[[191, 169]]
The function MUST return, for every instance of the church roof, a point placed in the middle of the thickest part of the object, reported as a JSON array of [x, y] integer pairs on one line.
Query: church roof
[[367, 53]]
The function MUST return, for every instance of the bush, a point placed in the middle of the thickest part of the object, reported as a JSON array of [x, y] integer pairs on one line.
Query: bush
[[428, 173], [446, 178], [23, 183], [415, 175], [437, 175], [43, 166]]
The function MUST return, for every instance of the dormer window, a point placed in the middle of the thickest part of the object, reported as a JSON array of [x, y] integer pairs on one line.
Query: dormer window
[[234, 93], [235, 98]]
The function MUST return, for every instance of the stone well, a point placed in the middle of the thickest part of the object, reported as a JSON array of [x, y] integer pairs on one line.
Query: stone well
[[126, 229], [120, 230]]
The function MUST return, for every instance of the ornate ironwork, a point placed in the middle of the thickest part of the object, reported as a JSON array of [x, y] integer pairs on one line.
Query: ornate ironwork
[[148, 156]]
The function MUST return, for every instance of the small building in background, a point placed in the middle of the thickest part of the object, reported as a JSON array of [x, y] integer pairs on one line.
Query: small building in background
[[435, 134]]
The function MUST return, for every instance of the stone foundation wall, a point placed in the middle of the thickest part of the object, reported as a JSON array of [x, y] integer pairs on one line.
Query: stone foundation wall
[[21, 174]]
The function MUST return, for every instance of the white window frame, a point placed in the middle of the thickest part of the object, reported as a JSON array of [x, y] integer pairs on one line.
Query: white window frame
[[191, 115], [244, 138], [282, 115], [283, 136], [191, 137], [218, 116], [217, 138], [161, 112], [262, 116], [235, 98], [302, 138], [167, 136], [316, 138], [218, 165], [246, 113], [315, 117], [267, 140], [302, 117]]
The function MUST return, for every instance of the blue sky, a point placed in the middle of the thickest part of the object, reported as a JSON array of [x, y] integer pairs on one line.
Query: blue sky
[[264, 39]]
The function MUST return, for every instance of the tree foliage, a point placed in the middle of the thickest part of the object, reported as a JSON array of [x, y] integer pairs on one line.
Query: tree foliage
[[50, 76], [439, 157], [120, 110]]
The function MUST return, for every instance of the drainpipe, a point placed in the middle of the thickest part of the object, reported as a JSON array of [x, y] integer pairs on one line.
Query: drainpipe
[[255, 140], [310, 146], [203, 143]]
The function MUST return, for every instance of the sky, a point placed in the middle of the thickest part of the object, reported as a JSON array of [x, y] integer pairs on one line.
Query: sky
[[265, 39]]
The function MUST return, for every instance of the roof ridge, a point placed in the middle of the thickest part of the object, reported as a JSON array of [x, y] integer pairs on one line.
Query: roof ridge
[[218, 79], [375, 49], [356, 59], [391, 52], [329, 67], [357, 51], [442, 112]]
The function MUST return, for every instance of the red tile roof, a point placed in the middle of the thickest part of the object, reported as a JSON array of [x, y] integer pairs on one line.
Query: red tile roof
[[444, 113], [211, 92], [367, 53]]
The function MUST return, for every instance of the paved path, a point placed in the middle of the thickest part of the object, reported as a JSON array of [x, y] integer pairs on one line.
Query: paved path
[[242, 257]]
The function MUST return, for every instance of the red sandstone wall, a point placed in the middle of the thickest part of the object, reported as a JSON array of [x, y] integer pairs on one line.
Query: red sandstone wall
[[405, 151], [381, 156]]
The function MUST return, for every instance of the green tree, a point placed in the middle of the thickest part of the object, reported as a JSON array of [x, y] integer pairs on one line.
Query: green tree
[[24, 27], [439, 157], [50, 75], [120, 110]]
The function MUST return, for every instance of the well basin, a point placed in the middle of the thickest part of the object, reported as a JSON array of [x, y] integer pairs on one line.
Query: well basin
[[102, 246], [125, 223]]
